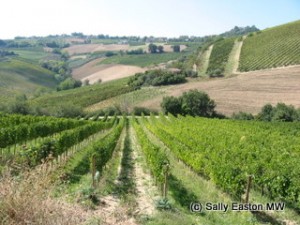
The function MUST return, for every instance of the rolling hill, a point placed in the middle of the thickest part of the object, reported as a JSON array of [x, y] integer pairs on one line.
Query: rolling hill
[[270, 48], [273, 47], [21, 76]]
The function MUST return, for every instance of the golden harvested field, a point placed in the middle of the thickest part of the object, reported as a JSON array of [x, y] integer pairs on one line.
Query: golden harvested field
[[89, 48], [245, 92], [93, 72]]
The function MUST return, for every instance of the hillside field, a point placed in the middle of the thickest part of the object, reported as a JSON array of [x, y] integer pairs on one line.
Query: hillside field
[[246, 92], [18, 76], [93, 71], [273, 47]]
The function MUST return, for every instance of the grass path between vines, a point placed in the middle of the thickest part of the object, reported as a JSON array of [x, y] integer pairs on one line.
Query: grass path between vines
[[234, 57], [128, 190], [145, 187], [204, 61]]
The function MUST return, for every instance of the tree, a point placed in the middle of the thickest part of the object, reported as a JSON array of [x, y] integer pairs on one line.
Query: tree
[[197, 103], [242, 116], [281, 112], [160, 49], [171, 105], [266, 113], [193, 102], [20, 105], [285, 113], [69, 83], [176, 48], [152, 48], [109, 54], [2, 43]]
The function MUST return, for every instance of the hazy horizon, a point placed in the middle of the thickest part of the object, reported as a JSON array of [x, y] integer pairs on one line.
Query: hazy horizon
[[141, 18]]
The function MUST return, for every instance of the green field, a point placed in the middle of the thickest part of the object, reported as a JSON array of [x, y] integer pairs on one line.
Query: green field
[[273, 47], [35, 54], [19, 76], [129, 100], [84, 96], [142, 60]]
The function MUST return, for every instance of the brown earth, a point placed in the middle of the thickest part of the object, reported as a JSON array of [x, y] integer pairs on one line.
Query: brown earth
[[246, 92], [106, 72], [113, 72], [89, 48]]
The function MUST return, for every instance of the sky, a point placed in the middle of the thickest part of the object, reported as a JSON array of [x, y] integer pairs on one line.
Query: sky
[[160, 18]]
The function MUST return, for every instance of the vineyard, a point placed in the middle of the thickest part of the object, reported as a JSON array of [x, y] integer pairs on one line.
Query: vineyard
[[84, 96], [219, 56], [189, 159], [274, 47]]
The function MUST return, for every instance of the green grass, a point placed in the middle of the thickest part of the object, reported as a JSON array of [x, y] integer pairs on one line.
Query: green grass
[[274, 47], [129, 100], [142, 60], [34, 54], [84, 96], [18, 76], [203, 60], [232, 63]]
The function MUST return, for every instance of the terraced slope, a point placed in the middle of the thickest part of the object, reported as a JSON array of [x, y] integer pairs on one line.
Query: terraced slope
[[274, 47]]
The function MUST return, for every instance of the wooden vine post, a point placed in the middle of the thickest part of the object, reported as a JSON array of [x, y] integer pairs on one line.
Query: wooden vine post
[[93, 171], [165, 185], [248, 188]]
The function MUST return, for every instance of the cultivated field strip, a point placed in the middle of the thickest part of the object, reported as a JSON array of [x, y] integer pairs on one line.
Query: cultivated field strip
[[35, 152], [195, 188], [226, 151], [274, 47]]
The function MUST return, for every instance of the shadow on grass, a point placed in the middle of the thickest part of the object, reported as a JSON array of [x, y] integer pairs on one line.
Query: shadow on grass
[[180, 193], [126, 185]]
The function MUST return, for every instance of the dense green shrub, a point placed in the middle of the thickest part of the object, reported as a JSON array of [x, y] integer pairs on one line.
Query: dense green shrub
[[193, 102], [156, 78], [281, 112], [242, 116]]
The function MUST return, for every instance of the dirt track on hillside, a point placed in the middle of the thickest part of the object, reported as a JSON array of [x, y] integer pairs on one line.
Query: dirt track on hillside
[[246, 92]]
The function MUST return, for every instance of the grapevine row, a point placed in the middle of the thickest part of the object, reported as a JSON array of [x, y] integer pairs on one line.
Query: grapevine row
[[25, 132], [101, 150], [228, 151], [155, 157], [271, 48], [57, 146]]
